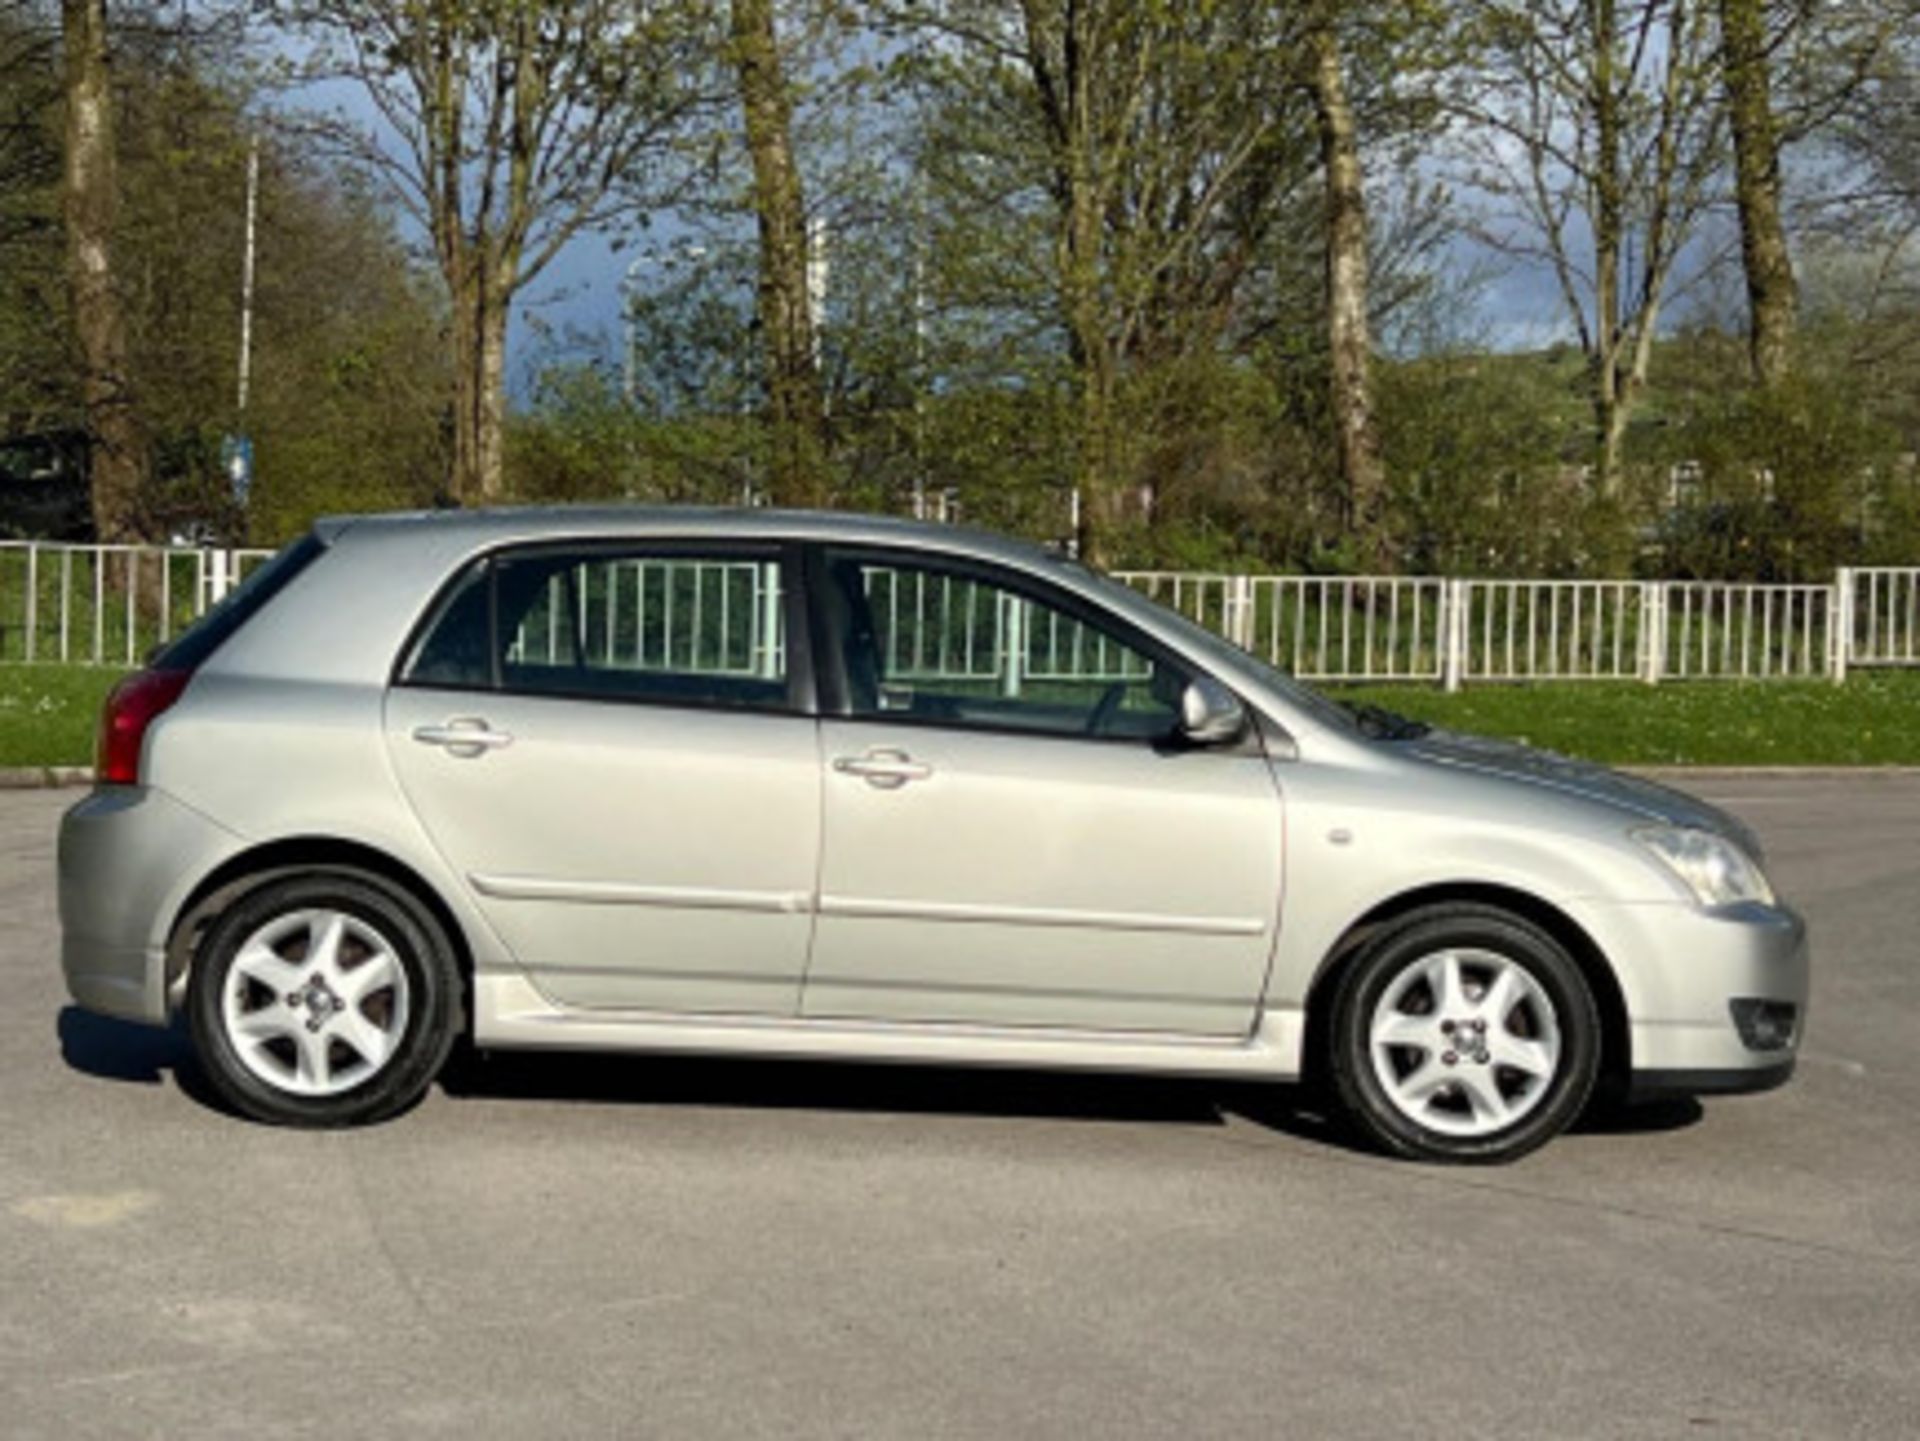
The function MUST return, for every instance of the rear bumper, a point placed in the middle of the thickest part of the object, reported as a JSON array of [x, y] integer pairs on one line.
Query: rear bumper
[[1682, 970], [128, 860]]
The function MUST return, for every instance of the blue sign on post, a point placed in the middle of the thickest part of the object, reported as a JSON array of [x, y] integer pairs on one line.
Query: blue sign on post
[[236, 458]]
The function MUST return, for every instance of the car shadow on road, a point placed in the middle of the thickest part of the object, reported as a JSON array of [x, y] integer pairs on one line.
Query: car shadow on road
[[122, 1051], [115, 1050], [696, 1082], [824, 1086], [1611, 1117]]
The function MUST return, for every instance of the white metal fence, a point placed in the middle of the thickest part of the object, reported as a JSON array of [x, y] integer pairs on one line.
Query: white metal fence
[[700, 616], [931, 628], [110, 605], [106, 604], [1883, 610], [1371, 628], [1455, 631]]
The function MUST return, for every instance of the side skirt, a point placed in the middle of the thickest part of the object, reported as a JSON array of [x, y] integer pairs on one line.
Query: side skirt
[[511, 1014]]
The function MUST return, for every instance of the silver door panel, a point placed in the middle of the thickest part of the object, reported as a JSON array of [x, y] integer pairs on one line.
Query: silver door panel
[[1044, 881], [630, 856]]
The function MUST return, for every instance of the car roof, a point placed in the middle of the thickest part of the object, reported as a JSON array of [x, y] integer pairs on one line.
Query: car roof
[[509, 524]]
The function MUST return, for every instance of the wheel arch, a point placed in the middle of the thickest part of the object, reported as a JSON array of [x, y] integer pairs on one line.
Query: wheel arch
[[292, 856], [1616, 1059]]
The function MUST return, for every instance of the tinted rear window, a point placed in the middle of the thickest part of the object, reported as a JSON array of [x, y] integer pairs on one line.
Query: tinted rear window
[[206, 635], [672, 624]]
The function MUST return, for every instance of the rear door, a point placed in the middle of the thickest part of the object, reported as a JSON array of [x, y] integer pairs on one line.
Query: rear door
[[612, 746], [1012, 835]]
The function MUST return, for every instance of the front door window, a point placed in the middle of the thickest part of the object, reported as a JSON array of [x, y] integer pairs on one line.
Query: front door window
[[948, 647]]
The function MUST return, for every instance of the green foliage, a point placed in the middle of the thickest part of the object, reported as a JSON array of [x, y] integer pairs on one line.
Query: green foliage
[[1868, 721], [346, 403], [578, 440], [1782, 485], [1479, 450], [35, 390], [949, 363]]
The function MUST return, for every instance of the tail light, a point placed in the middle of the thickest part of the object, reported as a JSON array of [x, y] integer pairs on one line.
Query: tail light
[[131, 707]]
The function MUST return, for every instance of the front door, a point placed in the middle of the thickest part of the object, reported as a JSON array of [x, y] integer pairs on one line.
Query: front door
[[1011, 834], [617, 766]]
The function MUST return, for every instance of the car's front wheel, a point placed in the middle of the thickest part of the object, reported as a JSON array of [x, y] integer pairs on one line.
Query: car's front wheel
[[329, 999], [1464, 1033]]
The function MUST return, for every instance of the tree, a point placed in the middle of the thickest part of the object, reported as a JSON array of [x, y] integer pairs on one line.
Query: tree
[[797, 473], [506, 128], [1372, 69], [1348, 294], [1595, 131], [347, 402], [1149, 142], [1772, 292], [348, 393], [1790, 70], [118, 459], [30, 158], [34, 338]]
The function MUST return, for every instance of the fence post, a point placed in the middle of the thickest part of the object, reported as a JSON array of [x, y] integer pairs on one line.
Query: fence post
[[1453, 636], [1014, 637], [1840, 620], [1240, 622], [217, 576], [1653, 631], [33, 598], [767, 580]]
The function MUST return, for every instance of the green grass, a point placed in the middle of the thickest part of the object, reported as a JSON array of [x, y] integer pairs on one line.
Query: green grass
[[48, 714], [1874, 719]]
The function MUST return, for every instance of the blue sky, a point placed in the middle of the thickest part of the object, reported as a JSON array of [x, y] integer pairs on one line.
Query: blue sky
[[573, 309], [1516, 307]]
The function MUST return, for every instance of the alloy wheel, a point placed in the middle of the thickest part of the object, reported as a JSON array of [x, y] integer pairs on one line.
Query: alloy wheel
[[1465, 1042], [316, 1002]]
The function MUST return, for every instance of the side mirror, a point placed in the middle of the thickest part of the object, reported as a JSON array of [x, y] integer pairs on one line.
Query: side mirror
[[1210, 714]]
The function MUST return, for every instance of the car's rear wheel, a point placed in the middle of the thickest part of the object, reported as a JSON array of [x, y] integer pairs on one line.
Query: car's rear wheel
[[1464, 1033], [329, 999]]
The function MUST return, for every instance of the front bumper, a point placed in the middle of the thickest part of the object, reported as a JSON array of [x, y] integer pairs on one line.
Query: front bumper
[[1681, 971], [129, 857], [1655, 1085]]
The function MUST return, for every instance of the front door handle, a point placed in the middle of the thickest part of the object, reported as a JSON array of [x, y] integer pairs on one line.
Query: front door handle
[[466, 737], [885, 770]]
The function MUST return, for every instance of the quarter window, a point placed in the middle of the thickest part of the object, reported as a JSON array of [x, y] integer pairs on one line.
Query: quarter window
[[193, 645], [457, 650], [670, 626], [946, 646]]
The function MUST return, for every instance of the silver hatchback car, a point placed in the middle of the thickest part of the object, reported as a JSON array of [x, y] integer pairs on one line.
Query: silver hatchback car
[[808, 785]]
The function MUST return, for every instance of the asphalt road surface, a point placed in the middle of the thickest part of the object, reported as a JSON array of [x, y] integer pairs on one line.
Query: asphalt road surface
[[630, 1248]]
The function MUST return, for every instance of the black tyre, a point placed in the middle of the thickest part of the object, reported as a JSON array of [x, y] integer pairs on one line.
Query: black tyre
[[328, 998], [1464, 1033]]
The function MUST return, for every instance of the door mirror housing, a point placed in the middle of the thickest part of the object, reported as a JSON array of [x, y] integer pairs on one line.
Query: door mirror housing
[[1210, 714]]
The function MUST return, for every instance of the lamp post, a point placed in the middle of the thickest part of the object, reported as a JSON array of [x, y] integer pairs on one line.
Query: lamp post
[[236, 450]]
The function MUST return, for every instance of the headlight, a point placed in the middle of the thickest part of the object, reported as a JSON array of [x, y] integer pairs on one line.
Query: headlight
[[1716, 870]]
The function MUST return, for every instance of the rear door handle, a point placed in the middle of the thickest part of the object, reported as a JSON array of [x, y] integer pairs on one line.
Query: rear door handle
[[885, 770], [466, 736]]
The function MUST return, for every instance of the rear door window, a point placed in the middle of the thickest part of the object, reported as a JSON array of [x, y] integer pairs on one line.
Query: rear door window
[[662, 625]]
